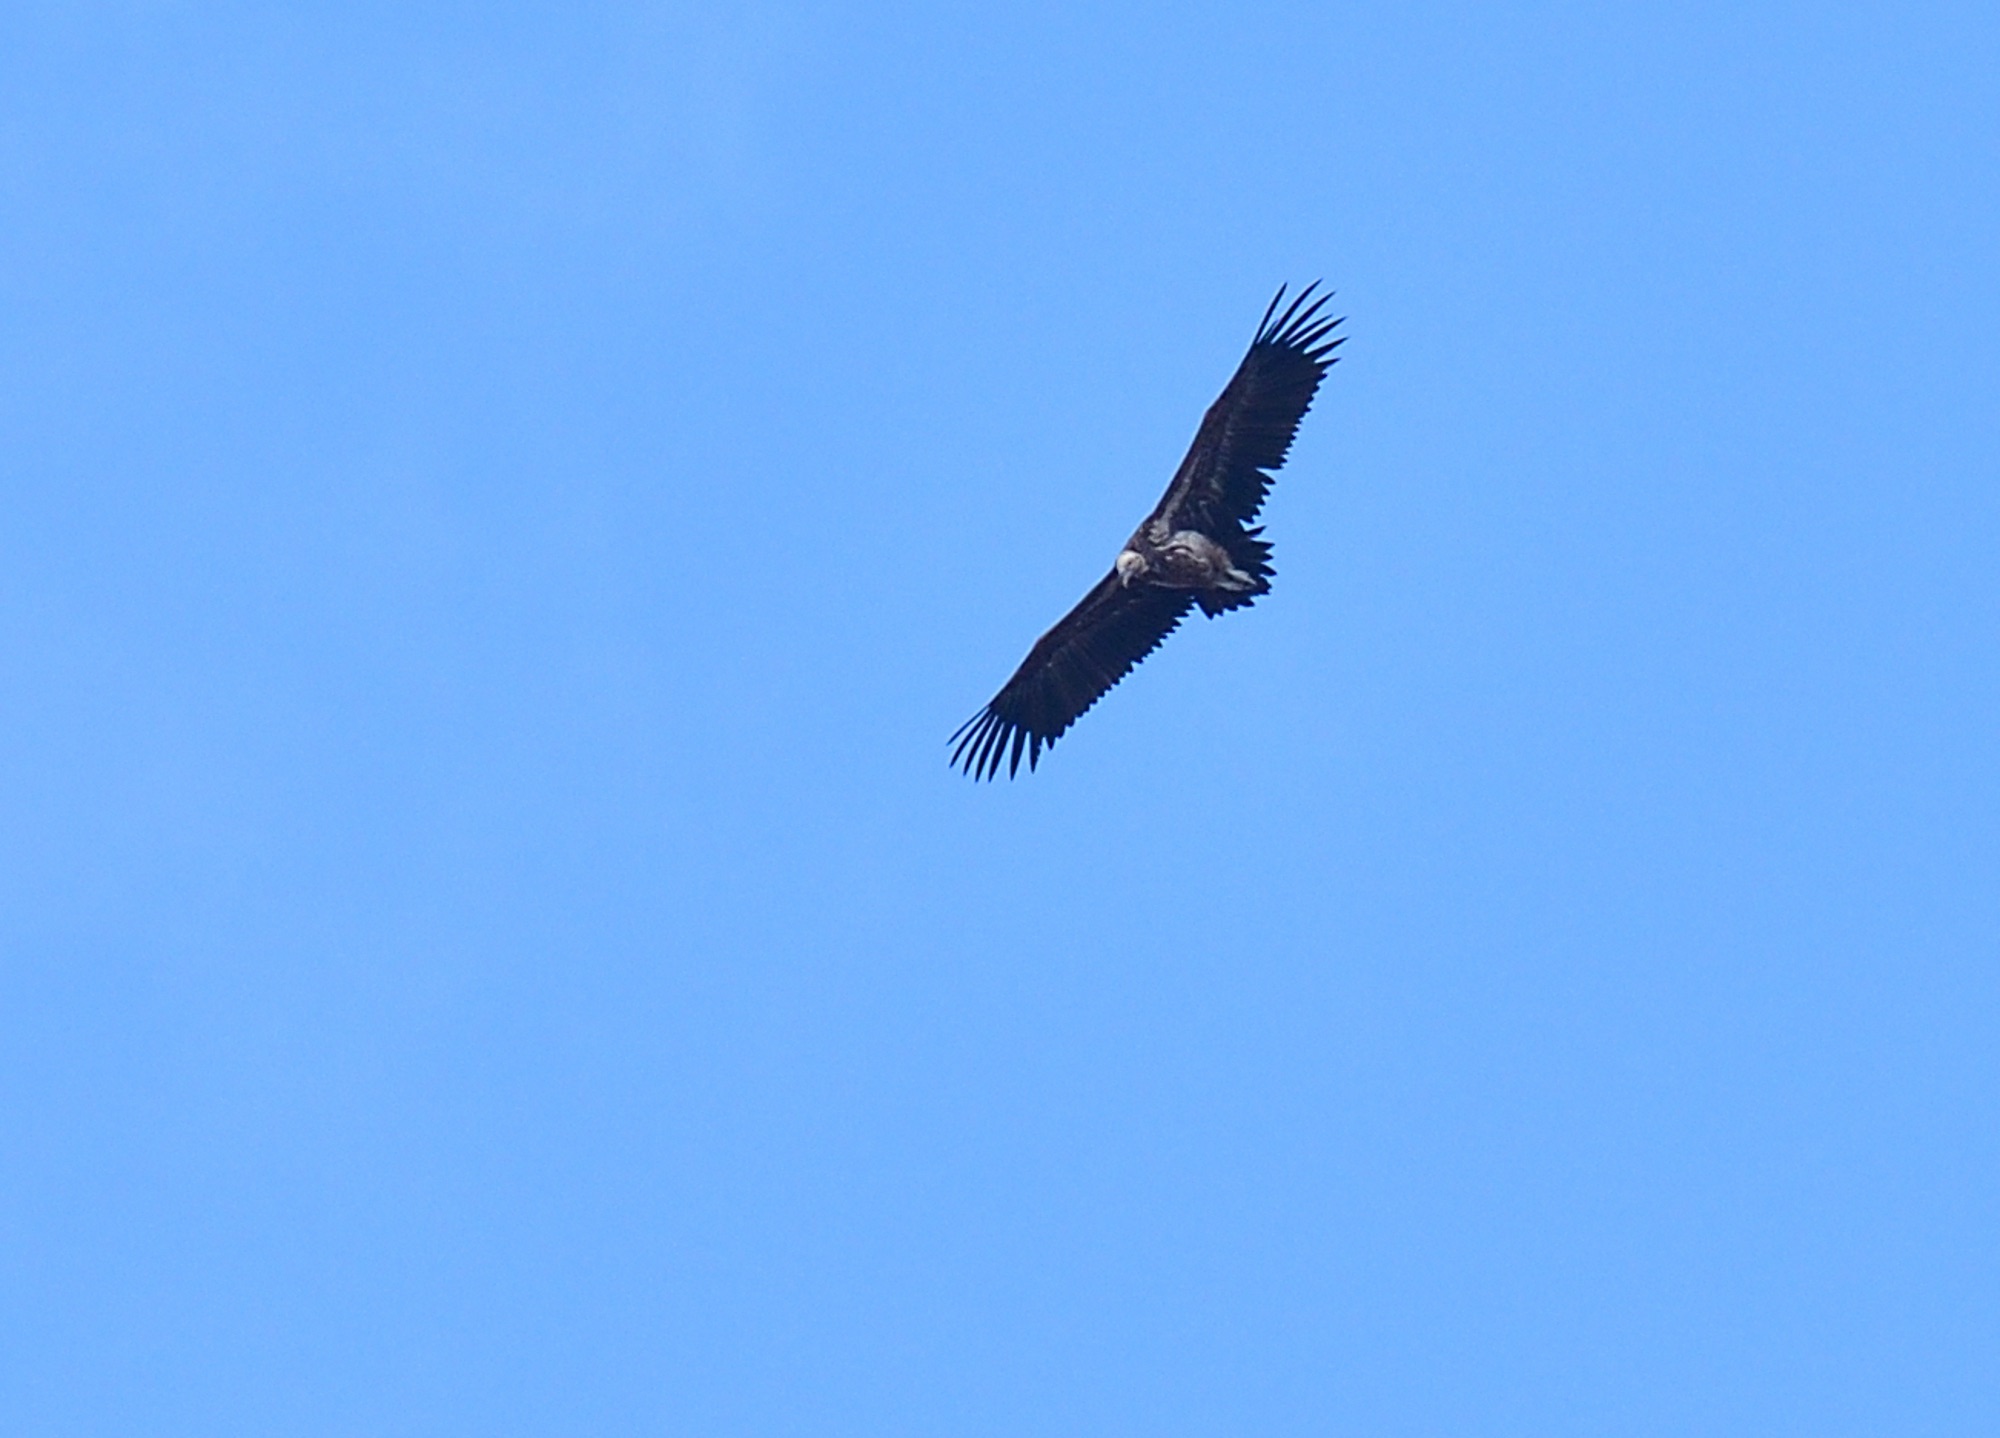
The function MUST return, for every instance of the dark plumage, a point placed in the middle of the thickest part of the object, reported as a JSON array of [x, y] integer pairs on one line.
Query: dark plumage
[[1198, 547]]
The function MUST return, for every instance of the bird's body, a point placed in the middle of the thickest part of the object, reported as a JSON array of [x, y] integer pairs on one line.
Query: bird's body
[[1197, 547], [1182, 559]]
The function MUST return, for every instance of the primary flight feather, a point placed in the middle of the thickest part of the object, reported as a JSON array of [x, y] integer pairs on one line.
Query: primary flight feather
[[1198, 547]]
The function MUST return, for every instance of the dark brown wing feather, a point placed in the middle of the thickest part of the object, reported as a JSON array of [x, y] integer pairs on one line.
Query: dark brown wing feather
[[1247, 432], [1070, 668]]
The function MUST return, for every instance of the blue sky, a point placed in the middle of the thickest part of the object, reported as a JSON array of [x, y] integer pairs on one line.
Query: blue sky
[[500, 507]]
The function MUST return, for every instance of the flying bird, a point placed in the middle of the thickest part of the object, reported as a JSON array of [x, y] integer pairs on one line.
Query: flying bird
[[1200, 545]]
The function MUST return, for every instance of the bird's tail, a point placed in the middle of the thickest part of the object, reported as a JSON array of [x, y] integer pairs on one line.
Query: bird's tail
[[1250, 554]]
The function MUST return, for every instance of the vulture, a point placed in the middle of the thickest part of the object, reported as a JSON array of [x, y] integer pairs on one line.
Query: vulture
[[1199, 546]]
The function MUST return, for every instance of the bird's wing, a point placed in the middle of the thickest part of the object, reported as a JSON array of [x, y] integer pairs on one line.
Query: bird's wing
[[1248, 430], [1090, 649]]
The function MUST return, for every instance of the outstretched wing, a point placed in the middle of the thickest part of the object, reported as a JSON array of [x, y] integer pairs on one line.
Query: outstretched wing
[[1090, 649], [1247, 432]]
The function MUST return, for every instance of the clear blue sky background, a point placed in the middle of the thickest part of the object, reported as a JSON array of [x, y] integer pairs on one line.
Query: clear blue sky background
[[502, 506]]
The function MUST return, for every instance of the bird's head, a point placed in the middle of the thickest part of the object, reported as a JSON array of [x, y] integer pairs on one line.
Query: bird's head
[[1131, 564]]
